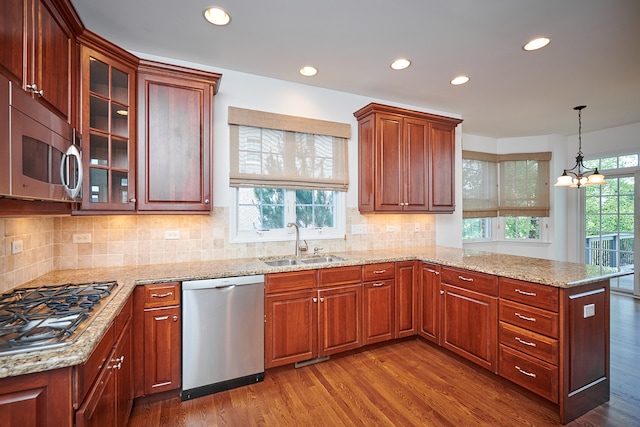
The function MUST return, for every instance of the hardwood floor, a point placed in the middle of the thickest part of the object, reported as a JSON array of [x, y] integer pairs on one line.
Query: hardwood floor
[[408, 383]]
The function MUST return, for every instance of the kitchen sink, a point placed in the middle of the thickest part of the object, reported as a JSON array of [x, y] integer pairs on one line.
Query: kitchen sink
[[316, 260], [282, 262]]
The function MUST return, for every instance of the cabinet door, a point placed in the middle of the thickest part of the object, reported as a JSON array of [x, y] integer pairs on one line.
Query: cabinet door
[[415, 171], [430, 302], [40, 399], [51, 70], [378, 311], [12, 55], [406, 299], [389, 186], [99, 408], [124, 377], [108, 132], [291, 327], [469, 325], [441, 180], [162, 349], [340, 319], [175, 132]]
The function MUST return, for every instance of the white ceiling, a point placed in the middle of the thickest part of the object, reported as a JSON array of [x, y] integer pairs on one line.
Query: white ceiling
[[593, 58]]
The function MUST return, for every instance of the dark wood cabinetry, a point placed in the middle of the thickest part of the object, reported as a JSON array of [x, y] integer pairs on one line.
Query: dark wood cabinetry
[[406, 160], [38, 50], [379, 305], [340, 319], [406, 299], [108, 127], [158, 347], [175, 137], [430, 302], [469, 315]]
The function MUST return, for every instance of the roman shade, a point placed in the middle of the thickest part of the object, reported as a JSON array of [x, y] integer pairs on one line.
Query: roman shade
[[524, 184], [281, 151], [479, 184]]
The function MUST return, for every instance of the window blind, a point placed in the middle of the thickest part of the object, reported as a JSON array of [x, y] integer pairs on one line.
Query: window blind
[[524, 184], [479, 184], [280, 151]]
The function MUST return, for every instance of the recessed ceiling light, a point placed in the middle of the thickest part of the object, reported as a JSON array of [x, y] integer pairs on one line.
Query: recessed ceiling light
[[460, 80], [400, 64], [536, 44], [217, 16], [308, 71]]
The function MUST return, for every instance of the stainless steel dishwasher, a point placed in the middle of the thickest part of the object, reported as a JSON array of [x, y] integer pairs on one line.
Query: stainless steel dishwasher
[[222, 334]]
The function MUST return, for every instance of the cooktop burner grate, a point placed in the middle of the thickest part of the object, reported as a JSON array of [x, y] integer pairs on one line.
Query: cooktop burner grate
[[49, 316]]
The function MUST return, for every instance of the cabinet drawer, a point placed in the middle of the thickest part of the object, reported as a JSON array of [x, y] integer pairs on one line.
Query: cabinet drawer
[[161, 295], [123, 317], [340, 275], [531, 318], [528, 342], [472, 280], [383, 271], [292, 281], [540, 296], [532, 374], [86, 374]]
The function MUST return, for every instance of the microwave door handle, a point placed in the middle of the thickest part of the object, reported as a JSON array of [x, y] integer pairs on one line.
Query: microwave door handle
[[72, 151]]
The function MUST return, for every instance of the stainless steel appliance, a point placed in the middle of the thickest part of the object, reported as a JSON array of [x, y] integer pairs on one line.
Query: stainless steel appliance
[[222, 334], [36, 318], [39, 151]]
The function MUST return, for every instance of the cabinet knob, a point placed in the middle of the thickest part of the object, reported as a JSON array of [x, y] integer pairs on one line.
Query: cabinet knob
[[322, 299], [206, 201], [175, 318], [441, 292], [34, 89], [315, 300], [133, 200]]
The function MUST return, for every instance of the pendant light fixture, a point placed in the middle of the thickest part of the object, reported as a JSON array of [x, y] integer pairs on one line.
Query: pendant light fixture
[[580, 175]]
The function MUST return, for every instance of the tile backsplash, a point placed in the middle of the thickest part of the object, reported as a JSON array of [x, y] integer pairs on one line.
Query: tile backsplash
[[121, 240]]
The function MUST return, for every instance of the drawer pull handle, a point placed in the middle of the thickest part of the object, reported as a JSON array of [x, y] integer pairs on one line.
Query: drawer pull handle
[[168, 294], [523, 372], [432, 271], [377, 285], [529, 294], [466, 279], [528, 319], [521, 341], [379, 271]]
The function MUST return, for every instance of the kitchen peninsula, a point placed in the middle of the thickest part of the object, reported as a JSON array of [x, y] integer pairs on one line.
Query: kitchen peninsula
[[547, 321]]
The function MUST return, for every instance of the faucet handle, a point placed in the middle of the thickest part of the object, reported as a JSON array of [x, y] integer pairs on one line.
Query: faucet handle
[[316, 250], [305, 247]]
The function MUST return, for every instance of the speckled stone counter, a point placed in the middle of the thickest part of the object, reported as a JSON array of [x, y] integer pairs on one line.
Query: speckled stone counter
[[551, 273]]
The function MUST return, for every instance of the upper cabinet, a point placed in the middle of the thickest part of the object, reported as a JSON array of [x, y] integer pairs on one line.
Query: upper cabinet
[[406, 160], [38, 50], [175, 128], [108, 127]]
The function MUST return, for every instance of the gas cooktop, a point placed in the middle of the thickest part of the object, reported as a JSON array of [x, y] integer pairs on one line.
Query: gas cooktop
[[36, 318]]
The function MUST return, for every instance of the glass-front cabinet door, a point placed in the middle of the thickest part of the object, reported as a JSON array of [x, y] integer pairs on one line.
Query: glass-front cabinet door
[[108, 132]]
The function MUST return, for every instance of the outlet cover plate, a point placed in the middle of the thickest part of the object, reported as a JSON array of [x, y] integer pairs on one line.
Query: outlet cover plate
[[17, 246], [82, 238], [172, 235]]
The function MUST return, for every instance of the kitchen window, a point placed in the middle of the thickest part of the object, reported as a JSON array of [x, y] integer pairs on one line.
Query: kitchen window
[[286, 169], [505, 196]]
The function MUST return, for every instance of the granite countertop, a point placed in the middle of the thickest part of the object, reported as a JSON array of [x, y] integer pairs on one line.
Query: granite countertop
[[547, 272]]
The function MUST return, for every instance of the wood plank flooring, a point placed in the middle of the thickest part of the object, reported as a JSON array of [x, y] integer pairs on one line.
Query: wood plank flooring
[[408, 383]]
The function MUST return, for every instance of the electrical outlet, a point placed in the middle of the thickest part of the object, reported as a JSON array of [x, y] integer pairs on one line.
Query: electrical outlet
[[359, 229], [390, 229], [172, 235], [16, 247], [416, 227], [82, 238], [589, 310]]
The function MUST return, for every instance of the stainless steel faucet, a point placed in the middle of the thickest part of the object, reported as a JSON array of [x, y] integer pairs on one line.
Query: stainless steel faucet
[[297, 252]]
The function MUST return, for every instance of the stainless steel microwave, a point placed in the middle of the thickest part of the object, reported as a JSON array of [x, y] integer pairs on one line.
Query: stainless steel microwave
[[40, 156]]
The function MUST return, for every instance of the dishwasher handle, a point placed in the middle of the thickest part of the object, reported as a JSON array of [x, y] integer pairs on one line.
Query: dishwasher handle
[[222, 283]]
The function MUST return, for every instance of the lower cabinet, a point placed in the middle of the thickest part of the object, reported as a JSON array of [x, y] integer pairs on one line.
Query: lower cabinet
[[406, 299], [429, 313], [379, 303], [158, 345], [108, 401], [469, 316], [340, 314]]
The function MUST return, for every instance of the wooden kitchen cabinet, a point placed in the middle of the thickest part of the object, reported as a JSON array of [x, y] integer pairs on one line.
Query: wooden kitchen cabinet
[[379, 305], [406, 160], [175, 131], [108, 127], [38, 50], [469, 315], [157, 349], [429, 313], [340, 319], [406, 299]]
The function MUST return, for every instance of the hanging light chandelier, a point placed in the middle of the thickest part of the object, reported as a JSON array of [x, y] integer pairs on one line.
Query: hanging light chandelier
[[580, 175]]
